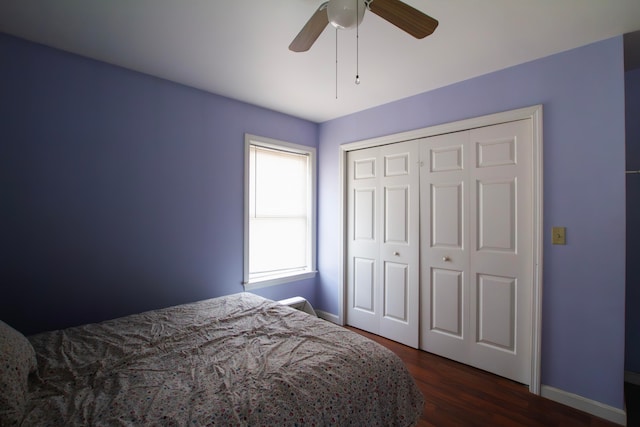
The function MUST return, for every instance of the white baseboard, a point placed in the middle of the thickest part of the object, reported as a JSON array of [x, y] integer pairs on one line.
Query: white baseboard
[[618, 416], [327, 316], [632, 377]]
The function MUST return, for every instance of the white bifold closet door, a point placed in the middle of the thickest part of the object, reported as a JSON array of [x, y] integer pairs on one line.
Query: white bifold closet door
[[383, 241], [476, 248], [440, 245]]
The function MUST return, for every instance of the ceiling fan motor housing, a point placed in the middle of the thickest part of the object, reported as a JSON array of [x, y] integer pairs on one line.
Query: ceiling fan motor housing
[[346, 14]]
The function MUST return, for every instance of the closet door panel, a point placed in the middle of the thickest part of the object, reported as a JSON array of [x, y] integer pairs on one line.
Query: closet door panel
[[399, 249], [496, 215], [364, 283], [496, 308], [396, 215], [446, 302], [363, 235], [396, 292], [364, 217], [446, 215], [444, 258], [501, 249]]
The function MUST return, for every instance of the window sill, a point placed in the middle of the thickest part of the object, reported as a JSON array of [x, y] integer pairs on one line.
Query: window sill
[[277, 280]]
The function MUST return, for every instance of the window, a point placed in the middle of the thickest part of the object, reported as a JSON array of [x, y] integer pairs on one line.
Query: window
[[279, 242]]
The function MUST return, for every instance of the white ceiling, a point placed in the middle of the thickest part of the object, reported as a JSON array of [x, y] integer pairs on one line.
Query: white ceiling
[[239, 48]]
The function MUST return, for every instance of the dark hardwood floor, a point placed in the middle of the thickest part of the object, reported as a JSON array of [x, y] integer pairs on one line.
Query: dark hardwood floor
[[459, 395]]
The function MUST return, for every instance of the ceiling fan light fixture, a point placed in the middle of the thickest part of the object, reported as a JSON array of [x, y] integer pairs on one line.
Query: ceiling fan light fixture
[[345, 14]]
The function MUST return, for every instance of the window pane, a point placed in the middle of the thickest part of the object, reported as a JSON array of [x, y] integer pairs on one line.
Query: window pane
[[277, 244], [280, 183]]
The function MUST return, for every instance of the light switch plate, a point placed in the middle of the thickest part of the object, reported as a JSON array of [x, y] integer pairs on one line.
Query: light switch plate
[[559, 236]]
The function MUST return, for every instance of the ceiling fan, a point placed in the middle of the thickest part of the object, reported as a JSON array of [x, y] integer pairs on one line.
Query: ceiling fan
[[344, 14]]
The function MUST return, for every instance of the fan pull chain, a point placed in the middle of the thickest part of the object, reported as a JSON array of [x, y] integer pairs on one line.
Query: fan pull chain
[[357, 42], [336, 63]]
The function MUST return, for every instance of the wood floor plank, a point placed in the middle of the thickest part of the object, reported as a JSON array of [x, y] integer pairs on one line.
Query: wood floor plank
[[459, 395]]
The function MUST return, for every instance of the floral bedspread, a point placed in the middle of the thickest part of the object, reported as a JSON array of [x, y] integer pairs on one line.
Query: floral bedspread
[[237, 360]]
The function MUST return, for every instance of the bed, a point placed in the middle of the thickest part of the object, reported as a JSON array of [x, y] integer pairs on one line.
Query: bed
[[236, 360]]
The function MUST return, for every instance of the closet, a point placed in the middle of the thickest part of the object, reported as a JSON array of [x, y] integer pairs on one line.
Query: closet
[[440, 247]]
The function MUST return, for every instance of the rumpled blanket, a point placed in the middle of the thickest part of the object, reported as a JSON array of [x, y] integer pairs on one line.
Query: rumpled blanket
[[239, 360]]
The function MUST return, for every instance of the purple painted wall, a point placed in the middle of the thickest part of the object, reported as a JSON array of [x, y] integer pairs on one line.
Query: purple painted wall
[[120, 192], [632, 352], [582, 91]]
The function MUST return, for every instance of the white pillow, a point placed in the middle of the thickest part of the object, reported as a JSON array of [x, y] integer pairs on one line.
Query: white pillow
[[17, 360]]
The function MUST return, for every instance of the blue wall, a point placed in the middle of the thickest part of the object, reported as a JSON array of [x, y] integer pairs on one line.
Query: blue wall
[[120, 192], [582, 91], [632, 354]]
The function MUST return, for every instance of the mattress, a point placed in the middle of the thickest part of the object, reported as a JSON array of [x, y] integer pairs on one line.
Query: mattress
[[236, 360]]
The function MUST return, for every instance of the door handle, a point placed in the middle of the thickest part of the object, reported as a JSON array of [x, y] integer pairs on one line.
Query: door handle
[[446, 259]]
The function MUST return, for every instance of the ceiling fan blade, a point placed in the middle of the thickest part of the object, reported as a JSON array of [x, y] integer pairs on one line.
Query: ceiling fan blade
[[311, 30], [404, 17]]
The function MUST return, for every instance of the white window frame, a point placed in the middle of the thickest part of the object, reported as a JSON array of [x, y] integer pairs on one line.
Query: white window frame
[[310, 271]]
